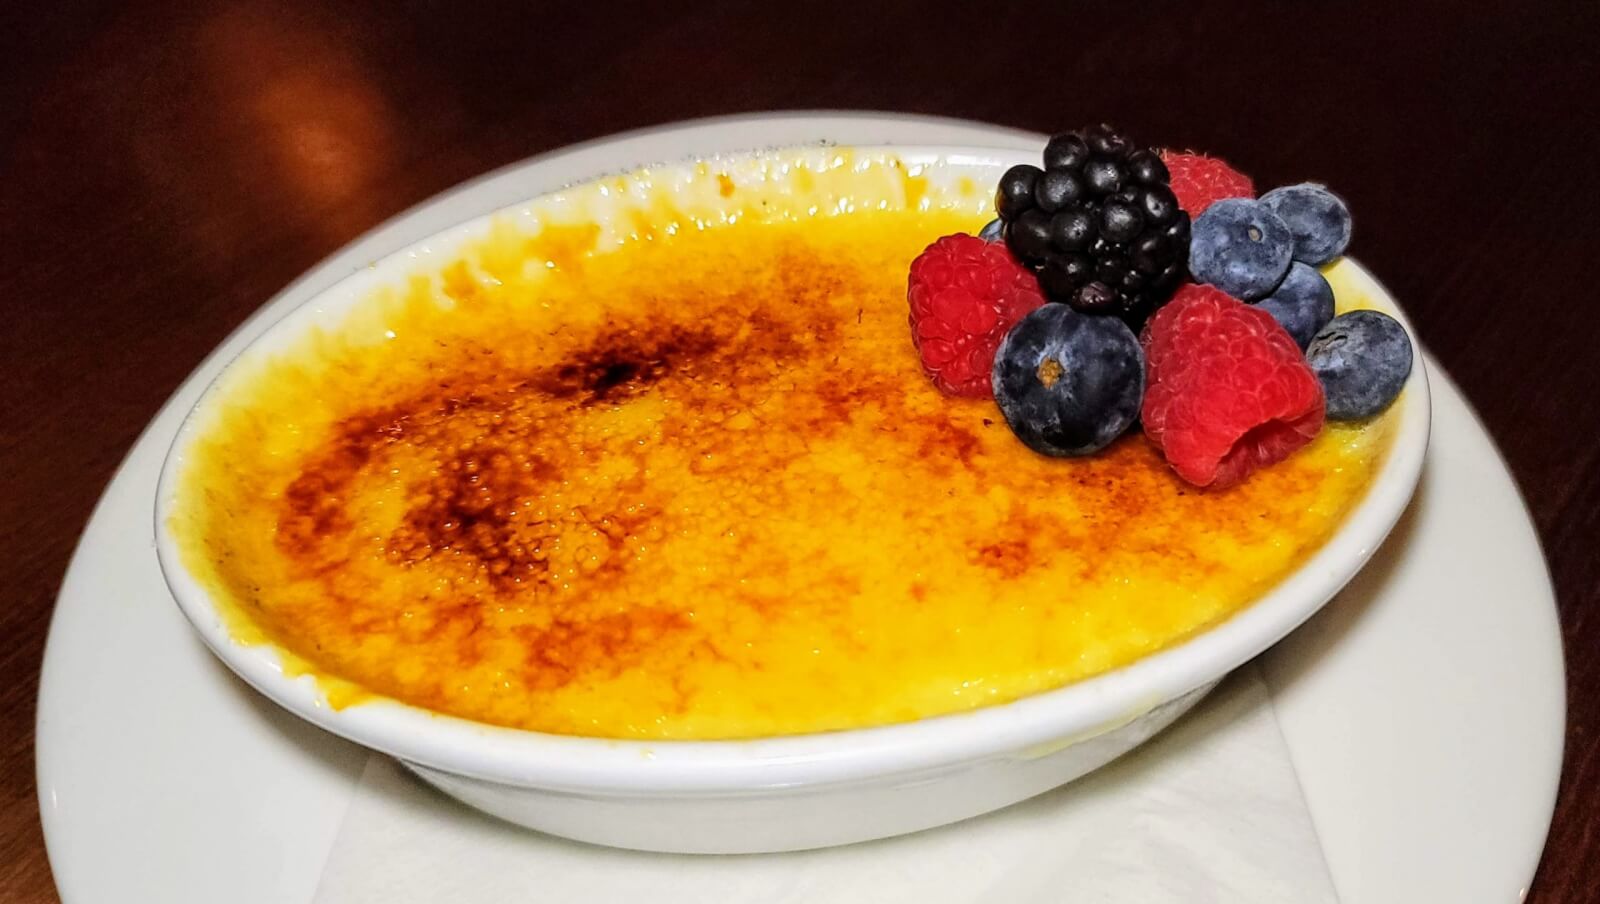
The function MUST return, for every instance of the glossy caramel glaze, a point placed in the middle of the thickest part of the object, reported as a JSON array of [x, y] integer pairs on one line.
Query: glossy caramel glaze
[[697, 487]]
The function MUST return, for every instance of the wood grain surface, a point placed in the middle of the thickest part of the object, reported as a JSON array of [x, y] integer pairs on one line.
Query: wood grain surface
[[166, 167]]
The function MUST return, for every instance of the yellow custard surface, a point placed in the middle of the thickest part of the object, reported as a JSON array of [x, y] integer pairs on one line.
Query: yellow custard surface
[[690, 482]]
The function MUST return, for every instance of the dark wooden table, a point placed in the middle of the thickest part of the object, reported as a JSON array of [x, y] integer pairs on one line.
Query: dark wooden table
[[166, 167]]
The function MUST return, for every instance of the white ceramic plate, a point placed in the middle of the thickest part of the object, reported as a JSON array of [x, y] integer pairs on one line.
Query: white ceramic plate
[[1424, 709]]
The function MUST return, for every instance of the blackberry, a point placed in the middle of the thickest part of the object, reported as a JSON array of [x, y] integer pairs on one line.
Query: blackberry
[[1099, 224]]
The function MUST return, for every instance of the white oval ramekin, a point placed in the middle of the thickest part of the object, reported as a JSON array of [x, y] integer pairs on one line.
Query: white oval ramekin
[[805, 791]]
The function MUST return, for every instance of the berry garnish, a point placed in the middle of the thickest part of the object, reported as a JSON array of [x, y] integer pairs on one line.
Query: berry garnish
[[1363, 359], [1240, 247], [1227, 391], [1303, 302], [964, 294], [1016, 190], [1099, 223], [1068, 383], [1198, 181], [991, 231], [1317, 217]]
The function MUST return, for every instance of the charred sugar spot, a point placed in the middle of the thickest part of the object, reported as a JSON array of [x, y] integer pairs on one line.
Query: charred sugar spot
[[473, 509], [617, 373], [626, 362], [313, 506]]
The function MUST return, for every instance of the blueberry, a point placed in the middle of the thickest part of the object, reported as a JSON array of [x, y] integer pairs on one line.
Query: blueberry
[[1303, 303], [1240, 247], [991, 232], [1362, 359], [1068, 383], [1318, 218]]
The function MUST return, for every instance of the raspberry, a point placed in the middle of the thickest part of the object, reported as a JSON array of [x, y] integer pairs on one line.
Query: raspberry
[[965, 294], [1198, 180], [1227, 390]]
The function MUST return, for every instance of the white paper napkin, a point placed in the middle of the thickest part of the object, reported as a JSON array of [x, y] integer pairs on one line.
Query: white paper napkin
[[1209, 811]]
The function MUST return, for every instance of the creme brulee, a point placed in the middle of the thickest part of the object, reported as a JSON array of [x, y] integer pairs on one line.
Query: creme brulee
[[695, 486]]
